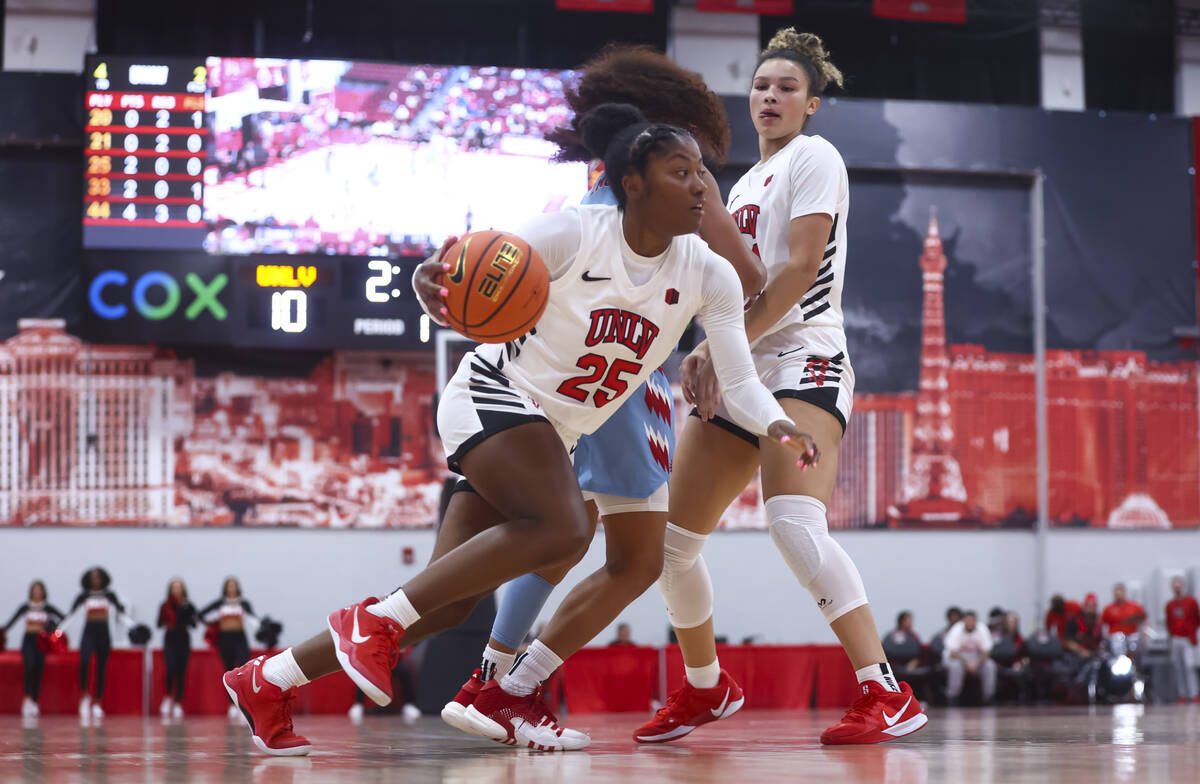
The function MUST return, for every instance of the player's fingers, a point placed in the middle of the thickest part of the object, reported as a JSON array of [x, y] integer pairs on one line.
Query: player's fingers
[[446, 246]]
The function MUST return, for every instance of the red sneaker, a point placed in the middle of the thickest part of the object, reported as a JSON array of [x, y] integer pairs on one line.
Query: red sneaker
[[267, 708], [367, 647], [520, 721], [878, 715], [455, 711], [688, 707]]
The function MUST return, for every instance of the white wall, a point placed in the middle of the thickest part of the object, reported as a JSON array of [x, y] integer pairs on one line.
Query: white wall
[[722, 48], [300, 576], [48, 35]]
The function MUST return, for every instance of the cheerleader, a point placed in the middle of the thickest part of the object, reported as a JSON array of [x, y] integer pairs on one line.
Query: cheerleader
[[99, 607], [176, 615], [40, 618], [230, 614]]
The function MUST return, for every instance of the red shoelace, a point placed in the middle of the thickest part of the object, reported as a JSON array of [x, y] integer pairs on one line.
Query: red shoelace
[[675, 698], [859, 709], [283, 709]]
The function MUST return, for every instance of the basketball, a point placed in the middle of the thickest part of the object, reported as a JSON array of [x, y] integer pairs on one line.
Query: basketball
[[498, 286]]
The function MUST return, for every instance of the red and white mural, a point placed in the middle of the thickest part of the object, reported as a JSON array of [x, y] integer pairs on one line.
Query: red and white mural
[[129, 435]]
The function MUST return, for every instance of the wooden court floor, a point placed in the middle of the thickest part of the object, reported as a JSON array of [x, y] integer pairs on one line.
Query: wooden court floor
[[1126, 743]]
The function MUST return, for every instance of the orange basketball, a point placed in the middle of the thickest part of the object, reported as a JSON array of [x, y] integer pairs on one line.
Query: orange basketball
[[498, 286]]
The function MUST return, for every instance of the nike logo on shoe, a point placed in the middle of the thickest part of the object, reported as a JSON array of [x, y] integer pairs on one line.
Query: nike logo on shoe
[[717, 711], [790, 351], [893, 719], [355, 637], [254, 681], [589, 279]]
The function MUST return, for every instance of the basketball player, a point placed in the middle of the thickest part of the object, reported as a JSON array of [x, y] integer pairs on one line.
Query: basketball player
[[792, 208], [626, 282], [623, 467]]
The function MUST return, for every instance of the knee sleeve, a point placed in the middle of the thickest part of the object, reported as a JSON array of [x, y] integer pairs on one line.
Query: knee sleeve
[[685, 584], [799, 530]]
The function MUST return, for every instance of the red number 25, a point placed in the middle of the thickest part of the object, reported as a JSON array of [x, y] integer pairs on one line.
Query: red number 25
[[613, 386]]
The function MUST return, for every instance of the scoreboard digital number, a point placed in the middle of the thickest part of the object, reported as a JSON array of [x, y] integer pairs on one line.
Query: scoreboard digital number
[[144, 152]]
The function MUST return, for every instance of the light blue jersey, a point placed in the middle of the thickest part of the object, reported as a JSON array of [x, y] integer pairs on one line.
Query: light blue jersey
[[630, 455]]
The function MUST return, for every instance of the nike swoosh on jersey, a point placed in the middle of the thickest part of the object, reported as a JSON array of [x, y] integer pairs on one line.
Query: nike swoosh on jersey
[[893, 719], [717, 711], [790, 351], [355, 637], [591, 279]]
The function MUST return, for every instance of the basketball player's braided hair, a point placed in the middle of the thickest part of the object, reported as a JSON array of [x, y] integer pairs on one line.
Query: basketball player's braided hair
[[808, 51], [618, 134], [655, 84]]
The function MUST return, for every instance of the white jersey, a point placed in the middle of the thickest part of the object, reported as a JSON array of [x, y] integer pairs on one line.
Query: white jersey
[[613, 317], [806, 177]]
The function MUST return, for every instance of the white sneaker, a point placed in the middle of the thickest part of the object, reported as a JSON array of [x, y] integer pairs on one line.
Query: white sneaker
[[177, 711], [525, 722], [410, 712], [85, 708], [29, 708], [165, 708], [356, 712], [233, 713], [97, 711]]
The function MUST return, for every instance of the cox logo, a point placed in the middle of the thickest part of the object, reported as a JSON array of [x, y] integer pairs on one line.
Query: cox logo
[[170, 295]]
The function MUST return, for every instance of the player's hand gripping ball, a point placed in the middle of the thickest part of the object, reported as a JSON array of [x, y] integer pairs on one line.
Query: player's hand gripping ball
[[496, 286]]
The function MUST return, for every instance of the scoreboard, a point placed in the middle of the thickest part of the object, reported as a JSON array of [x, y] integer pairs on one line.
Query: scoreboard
[[144, 154], [149, 272]]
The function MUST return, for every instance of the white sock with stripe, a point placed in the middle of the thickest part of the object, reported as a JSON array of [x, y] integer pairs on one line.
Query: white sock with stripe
[[880, 673], [533, 666], [495, 663]]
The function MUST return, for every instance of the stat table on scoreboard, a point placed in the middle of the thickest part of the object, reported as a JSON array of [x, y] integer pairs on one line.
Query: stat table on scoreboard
[[144, 151]]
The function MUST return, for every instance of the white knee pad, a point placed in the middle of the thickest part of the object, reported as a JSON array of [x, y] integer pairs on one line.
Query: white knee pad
[[685, 584], [799, 530]]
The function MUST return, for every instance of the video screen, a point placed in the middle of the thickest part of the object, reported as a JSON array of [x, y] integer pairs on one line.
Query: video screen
[[349, 158]]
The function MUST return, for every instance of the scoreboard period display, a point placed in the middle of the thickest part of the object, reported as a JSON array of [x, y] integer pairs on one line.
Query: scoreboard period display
[[151, 272]]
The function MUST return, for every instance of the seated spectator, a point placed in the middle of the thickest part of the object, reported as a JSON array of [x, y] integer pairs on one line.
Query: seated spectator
[[1008, 651], [968, 646], [995, 621], [902, 647], [1048, 667], [624, 635], [1061, 610], [938, 644], [1122, 616], [1083, 639], [1083, 634]]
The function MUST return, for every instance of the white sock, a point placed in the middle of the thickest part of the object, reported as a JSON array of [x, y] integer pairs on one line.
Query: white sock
[[532, 667], [397, 607], [704, 677], [282, 670], [880, 673], [495, 662]]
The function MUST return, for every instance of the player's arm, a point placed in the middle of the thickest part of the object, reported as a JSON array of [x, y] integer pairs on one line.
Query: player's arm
[[718, 229], [749, 402], [807, 237]]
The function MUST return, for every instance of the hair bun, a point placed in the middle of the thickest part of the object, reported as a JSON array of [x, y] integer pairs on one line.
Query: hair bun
[[602, 124], [811, 46]]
